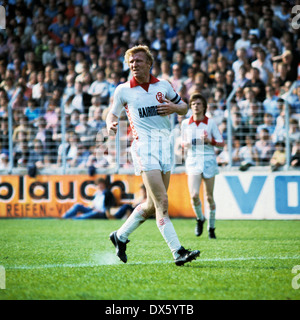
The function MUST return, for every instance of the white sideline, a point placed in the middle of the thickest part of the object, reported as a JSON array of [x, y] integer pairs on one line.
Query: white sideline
[[91, 264]]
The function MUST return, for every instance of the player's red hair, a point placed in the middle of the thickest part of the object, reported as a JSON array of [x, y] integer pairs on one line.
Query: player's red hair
[[139, 48]]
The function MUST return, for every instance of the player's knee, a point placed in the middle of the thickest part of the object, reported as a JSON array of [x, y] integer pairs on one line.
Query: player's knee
[[149, 211], [210, 200], [165, 203], [162, 203], [195, 198]]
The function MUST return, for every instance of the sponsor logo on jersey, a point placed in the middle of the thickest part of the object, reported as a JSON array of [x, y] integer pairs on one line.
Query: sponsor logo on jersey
[[147, 111]]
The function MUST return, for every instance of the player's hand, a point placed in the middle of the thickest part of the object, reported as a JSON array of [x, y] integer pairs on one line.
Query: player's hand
[[186, 144], [112, 128], [166, 108], [205, 138]]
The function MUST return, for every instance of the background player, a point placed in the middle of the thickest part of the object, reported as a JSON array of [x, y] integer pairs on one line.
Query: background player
[[200, 135], [148, 102]]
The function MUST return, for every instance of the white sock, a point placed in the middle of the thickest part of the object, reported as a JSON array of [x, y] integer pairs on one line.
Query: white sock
[[198, 211], [212, 218], [168, 232], [132, 223]]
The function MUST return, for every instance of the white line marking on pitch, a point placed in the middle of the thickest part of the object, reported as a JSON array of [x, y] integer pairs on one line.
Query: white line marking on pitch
[[91, 264]]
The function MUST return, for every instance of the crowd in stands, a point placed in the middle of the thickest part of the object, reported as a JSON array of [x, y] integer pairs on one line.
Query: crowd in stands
[[69, 55]]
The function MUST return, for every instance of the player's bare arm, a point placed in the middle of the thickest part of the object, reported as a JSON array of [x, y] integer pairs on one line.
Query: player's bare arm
[[169, 107], [111, 124]]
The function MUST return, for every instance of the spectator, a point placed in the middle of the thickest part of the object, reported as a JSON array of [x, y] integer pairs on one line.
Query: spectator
[[220, 98], [241, 58], [160, 39], [239, 130], [66, 46], [85, 132], [256, 84], [294, 131], [229, 80], [263, 64], [37, 88], [294, 101], [241, 79], [96, 120], [4, 161], [264, 147], [100, 87], [82, 156], [69, 149], [201, 43], [248, 154], [57, 129], [114, 81], [268, 124], [32, 111], [9, 86], [200, 85], [101, 155], [243, 41], [295, 159], [236, 148], [4, 142], [244, 105], [177, 79], [54, 84], [289, 61], [280, 119], [21, 156], [23, 126], [80, 100], [69, 88], [38, 157], [49, 55], [278, 158], [51, 115], [190, 81], [179, 59], [101, 204], [44, 135], [270, 103], [223, 157], [165, 70], [58, 28], [51, 11]]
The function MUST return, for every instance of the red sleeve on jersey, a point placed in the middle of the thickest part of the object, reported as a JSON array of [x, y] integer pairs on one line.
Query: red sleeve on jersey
[[217, 144]]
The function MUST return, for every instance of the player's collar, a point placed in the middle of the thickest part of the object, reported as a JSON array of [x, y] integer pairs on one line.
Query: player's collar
[[205, 120], [145, 86]]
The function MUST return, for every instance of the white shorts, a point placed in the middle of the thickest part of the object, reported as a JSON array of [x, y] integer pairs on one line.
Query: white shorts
[[206, 165], [152, 155]]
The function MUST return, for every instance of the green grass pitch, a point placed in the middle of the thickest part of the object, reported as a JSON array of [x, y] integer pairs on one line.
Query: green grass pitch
[[63, 259]]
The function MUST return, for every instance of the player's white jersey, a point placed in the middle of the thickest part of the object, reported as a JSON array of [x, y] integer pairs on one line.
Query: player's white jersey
[[140, 102], [193, 131]]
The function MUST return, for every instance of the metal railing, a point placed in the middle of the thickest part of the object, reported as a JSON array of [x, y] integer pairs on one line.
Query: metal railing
[[117, 164]]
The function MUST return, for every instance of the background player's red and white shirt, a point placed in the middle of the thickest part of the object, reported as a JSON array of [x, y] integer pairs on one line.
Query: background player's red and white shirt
[[140, 102], [191, 130]]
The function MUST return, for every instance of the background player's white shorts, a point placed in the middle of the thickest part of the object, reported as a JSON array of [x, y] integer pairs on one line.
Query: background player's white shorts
[[152, 155], [207, 165]]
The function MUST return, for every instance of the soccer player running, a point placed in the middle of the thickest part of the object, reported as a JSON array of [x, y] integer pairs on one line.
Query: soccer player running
[[148, 103], [200, 135]]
